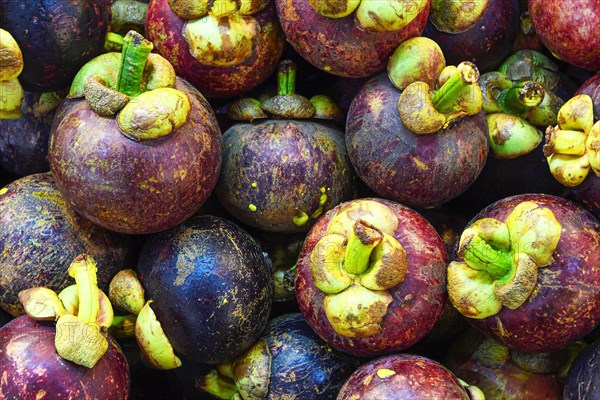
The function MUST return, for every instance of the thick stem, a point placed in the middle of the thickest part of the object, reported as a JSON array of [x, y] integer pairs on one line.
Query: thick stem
[[286, 78], [444, 99], [361, 242], [133, 60], [479, 255], [83, 269], [522, 97]]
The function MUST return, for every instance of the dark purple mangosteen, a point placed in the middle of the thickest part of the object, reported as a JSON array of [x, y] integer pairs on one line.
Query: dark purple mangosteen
[[583, 380]]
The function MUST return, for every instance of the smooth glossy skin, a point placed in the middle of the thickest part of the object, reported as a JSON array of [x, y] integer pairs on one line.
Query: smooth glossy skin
[[211, 286], [583, 381], [129, 186], [164, 28], [57, 37], [417, 303], [410, 377], [337, 45], [416, 170], [33, 370], [565, 303], [41, 236]]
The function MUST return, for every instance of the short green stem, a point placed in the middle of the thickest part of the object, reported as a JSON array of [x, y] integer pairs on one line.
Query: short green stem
[[133, 60], [83, 269], [444, 99], [361, 242], [113, 42], [286, 78], [522, 97], [480, 255]]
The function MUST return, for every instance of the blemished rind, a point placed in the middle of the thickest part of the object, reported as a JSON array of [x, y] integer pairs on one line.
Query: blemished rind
[[129, 186], [164, 28], [487, 43], [211, 287], [583, 380], [417, 302], [416, 170], [35, 369], [41, 235], [24, 141], [303, 367], [565, 303], [282, 167], [402, 376], [337, 45], [56, 37]]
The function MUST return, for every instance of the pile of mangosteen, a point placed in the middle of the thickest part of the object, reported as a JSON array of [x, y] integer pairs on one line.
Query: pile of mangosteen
[[300, 199]]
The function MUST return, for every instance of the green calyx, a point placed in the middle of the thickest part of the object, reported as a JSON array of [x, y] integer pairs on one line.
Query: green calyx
[[110, 81], [153, 342], [82, 313], [380, 16], [511, 136], [416, 59], [500, 260], [355, 264], [195, 9], [455, 16], [572, 147], [531, 65], [11, 65], [286, 103], [457, 95], [521, 97], [127, 15], [246, 378], [126, 292]]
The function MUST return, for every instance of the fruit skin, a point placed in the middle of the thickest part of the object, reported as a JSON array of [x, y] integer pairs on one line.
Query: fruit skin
[[135, 187], [414, 377], [40, 235], [255, 172], [583, 380], [416, 170], [565, 303], [418, 301], [56, 37], [569, 30], [163, 28], [211, 286], [337, 45], [24, 141], [487, 43], [32, 367]]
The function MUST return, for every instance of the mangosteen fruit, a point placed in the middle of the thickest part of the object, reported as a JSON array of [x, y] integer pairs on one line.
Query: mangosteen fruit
[[71, 358], [583, 380], [210, 288], [481, 32], [569, 30], [288, 362], [40, 235], [406, 377], [57, 37], [223, 48], [134, 148], [424, 142], [24, 141], [350, 38], [527, 272], [502, 373], [370, 278], [283, 173]]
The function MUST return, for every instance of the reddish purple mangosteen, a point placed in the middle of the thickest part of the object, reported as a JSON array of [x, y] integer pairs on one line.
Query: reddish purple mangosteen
[[569, 29], [370, 278], [134, 148], [223, 48], [406, 377], [350, 38], [527, 272]]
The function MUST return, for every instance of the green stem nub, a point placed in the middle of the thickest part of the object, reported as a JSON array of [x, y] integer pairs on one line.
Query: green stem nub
[[522, 97], [361, 242], [133, 60], [479, 255], [286, 78], [444, 100]]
